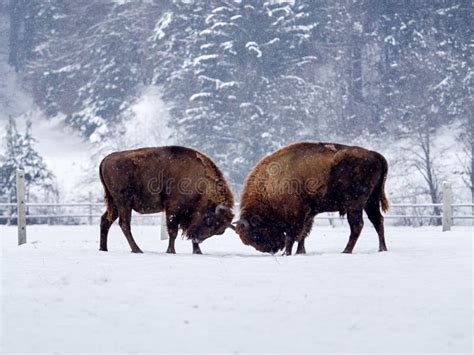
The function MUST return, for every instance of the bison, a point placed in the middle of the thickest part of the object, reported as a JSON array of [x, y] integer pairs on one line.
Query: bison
[[181, 181], [286, 189]]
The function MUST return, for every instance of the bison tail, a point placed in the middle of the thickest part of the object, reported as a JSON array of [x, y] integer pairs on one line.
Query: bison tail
[[107, 197], [385, 204]]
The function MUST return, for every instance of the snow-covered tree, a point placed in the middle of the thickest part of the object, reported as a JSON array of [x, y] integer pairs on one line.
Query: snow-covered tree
[[247, 51], [32, 163], [10, 159], [171, 43], [114, 67], [20, 153], [89, 62], [242, 78]]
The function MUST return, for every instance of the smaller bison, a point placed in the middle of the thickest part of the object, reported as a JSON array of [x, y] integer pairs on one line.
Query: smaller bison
[[182, 182], [288, 188]]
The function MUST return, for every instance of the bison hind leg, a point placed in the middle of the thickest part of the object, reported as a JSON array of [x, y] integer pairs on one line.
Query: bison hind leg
[[125, 217], [356, 222], [373, 212], [107, 219]]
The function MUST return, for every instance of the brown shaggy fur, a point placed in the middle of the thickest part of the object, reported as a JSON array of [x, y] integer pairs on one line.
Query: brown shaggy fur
[[181, 181], [289, 187]]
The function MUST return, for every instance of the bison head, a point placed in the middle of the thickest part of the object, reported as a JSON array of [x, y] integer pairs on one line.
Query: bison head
[[212, 221], [263, 235]]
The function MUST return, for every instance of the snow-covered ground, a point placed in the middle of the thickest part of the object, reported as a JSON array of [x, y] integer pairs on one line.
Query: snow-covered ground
[[59, 293]]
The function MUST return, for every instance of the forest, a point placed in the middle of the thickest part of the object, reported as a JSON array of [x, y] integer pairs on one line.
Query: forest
[[239, 79]]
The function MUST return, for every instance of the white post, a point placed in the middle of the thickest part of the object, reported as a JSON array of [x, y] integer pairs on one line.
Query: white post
[[447, 206], [416, 221], [90, 208], [330, 220], [164, 229], [10, 209], [21, 213]]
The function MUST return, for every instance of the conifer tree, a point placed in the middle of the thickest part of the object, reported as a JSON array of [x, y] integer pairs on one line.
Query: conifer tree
[[36, 170], [10, 160], [248, 52], [20, 153]]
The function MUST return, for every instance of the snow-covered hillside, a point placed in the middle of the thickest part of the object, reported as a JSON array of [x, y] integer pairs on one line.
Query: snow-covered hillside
[[239, 80], [64, 152], [60, 294], [13, 99]]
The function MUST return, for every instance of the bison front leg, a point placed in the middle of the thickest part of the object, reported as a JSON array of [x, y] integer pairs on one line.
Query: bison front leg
[[172, 227], [172, 234], [301, 249], [356, 223], [306, 230], [289, 241], [196, 249]]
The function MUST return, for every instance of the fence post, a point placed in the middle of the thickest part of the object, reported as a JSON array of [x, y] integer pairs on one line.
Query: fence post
[[416, 222], [447, 206], [330, 220], [20, 211], [10, 209], [90, 208], [164, 228]]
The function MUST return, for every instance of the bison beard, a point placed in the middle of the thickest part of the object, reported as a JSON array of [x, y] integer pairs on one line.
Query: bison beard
[[184, 183], [287, 189]]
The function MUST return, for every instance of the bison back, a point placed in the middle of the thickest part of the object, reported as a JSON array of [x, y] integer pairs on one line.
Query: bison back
[[289, 177]]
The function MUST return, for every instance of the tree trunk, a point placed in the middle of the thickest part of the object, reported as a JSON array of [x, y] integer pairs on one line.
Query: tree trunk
[[470, 152], [14, 8]]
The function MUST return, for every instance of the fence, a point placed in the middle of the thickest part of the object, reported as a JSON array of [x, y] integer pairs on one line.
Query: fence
[[443, 212]]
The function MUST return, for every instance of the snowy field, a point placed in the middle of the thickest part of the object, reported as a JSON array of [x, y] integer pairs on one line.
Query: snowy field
[[60, 294]]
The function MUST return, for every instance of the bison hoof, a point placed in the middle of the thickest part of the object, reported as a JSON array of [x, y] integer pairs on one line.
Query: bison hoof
[[382, 249], [171, 251], [197, 252], [137, 251], [103, 249], [347, 252]]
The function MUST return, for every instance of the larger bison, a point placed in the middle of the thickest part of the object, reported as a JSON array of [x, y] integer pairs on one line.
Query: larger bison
[[183, 182], [288, 188]]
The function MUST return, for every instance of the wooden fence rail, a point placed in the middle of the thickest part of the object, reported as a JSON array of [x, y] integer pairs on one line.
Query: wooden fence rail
[[19, 211], [90, 206]]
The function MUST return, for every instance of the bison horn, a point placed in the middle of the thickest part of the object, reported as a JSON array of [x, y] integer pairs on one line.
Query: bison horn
[[231, 226], [221, 208], [242, 222]]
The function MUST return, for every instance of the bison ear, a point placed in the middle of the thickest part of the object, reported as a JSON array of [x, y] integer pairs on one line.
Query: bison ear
[[256, 220]]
